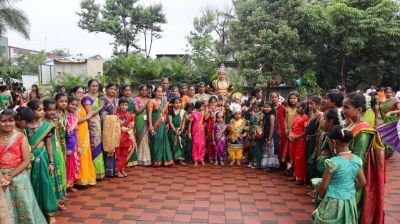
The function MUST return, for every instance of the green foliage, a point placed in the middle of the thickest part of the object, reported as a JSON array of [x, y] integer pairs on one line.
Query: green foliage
[[309, 84], [9, 71], [14, 19], [269, 38], [137, 69], [209, 42], [69, 81], [29, 63], [123, 20]]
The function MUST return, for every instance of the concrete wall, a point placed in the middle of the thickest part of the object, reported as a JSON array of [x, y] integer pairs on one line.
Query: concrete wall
[[94, 67]]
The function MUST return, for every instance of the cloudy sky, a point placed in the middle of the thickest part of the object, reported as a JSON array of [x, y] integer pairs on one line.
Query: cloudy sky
[[54, 26]]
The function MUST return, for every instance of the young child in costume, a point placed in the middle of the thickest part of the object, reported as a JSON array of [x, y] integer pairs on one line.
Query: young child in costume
[[256, 135], [270, 158], [71, 143], [196, 133], [237, 129], [126, 140], [219, 138], [176, 121]]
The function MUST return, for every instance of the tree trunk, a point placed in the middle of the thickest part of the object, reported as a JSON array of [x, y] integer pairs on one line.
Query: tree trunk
[[151, 42], [145, 43], [126, 49]]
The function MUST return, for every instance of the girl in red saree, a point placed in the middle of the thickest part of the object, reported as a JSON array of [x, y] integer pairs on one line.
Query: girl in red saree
[[368, 146], [297, 145]]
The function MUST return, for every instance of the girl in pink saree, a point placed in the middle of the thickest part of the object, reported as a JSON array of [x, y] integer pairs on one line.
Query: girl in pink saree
[[196, 133]]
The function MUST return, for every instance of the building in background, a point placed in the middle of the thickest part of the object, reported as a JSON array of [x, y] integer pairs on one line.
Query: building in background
[[85, 67], [10, 52]]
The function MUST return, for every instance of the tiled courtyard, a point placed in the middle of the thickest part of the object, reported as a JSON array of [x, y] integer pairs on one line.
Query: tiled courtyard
[[187, 194]]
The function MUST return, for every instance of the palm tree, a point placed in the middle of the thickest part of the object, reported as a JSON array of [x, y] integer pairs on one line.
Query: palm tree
[[13, 18]]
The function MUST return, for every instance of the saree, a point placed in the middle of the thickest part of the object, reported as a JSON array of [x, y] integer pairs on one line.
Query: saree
[[72, 159], [297, 149], [142, 134], [126, 146], [385, 107], [60, 133], [132, 156], [43, 182], [161, 153], [95, 137], [59, 166], [311, 140], [280, 119], [87, 174], [198, 137], [174, 140], [18, 202], [368, 145]]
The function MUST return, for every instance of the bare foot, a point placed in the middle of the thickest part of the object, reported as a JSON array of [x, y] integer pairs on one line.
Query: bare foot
[[222, 163], [203, 163], [232, 163], [238, 162], [124, 173], [216, 163], [195, 163], [52, 220], [120, 175]]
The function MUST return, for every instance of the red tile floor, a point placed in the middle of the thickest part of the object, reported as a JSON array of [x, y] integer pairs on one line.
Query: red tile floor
[[187, 194]]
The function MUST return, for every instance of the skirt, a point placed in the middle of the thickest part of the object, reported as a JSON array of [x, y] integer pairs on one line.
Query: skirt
[[5, 217], [333, 211], [111, 140], [269, 158], [23, 206]]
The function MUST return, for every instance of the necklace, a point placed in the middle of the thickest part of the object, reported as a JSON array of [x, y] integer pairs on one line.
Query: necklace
[[344, 153], [5, 138]]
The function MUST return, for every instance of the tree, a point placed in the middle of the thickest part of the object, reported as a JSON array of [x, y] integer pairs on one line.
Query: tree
[[270, 42], [150, 25], [58, 53], [13, 18], [122, 19], [29, 63], [209, 42], [359, 37]]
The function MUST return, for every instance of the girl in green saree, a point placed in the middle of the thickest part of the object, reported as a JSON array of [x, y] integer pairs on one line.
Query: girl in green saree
[[42, 171], [176, 120], [142, 132], [157, 110], [60, 173], [368, 146]]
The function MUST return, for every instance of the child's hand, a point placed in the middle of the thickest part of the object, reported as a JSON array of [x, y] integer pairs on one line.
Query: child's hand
[[190, 136]]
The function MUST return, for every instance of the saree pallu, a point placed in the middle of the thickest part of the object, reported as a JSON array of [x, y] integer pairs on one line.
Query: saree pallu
[[96, 146], [59, 174], [111, 140], [368, 146], [42, 182], [23, 207], [176, 141], [87, 174], [390, 134], [161, 153], [142, 138]]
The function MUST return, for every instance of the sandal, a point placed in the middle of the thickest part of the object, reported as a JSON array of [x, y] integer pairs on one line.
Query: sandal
[[120, 175]]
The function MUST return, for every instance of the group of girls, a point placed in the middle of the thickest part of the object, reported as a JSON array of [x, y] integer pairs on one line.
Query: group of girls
[[51, 146], [333, 148]]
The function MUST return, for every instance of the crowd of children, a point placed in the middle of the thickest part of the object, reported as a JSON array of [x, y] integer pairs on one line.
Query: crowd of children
[[50, 146]]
